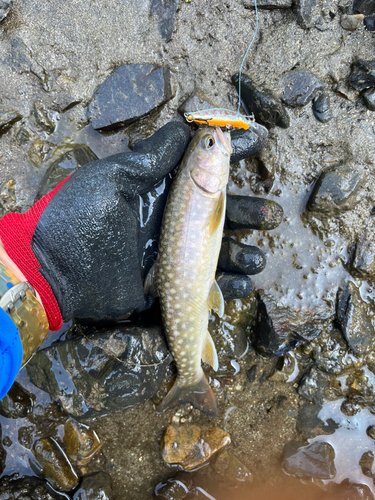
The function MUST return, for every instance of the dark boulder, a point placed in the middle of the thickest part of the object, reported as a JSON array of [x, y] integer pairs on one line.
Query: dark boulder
[[363, 74], [130, 92], [300, 88], [321, 107], [104, 372]]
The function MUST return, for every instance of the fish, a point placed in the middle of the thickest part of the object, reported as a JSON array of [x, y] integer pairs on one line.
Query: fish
[[184, 273], [221, 117]]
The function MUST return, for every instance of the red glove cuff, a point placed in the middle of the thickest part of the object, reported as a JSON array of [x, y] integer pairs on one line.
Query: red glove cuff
[[16, 233]]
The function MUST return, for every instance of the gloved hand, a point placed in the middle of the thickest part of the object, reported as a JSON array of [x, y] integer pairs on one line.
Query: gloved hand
[[87, 246]]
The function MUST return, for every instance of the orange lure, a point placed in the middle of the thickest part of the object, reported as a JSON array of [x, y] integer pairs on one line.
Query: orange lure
[[221, 118]]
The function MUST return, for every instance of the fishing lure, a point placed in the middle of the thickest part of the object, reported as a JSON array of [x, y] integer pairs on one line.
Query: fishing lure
[[222, 117]]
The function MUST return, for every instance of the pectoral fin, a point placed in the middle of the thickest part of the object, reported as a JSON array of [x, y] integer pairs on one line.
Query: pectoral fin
[[209, 354], [150, 286], [218, 215], [216, 299]]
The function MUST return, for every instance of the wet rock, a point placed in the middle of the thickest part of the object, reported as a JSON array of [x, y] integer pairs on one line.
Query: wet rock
[[248, 212], [321, 107], [18, 487], [247, 143], [26, 436], [363, 74], [234, 285], [166, 13], [54, 464], [350, 407], [316, 460], [197, 100], [369, 98], [267, 161], [230, 468], [5, 7], [65, 101], [38, 151], [8, 119], [335, 191], [23, 60], [64, 166], [8, 199], [354, 491], [266, 107], [17, 403], [366, 463], [81, 442], [97, 486], [366, 7], [279, 329], [300, 88], [240, 258], [353, 319], [42, 117], [369, 22], [309, 424], [329, 353], [191, 446], [231, 332], [370, 431], [305, 12], [363, 262], [313, 386], [251, 373], [351, 22], [23, 136], [130, 92], [105, 372]]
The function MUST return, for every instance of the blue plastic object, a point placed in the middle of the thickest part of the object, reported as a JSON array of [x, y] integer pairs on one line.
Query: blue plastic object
[[11, 352]]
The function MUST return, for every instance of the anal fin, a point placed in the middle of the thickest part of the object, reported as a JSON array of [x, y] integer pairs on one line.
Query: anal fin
[[209, 354]]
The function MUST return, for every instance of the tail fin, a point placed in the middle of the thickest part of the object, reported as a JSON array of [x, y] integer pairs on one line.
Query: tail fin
[[199, 395]]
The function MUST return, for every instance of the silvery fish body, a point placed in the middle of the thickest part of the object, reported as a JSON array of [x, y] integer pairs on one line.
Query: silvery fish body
[[190, 241]]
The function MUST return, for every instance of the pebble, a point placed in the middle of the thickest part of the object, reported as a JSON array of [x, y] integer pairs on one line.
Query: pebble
[[26, 436], [351, 22], [316, 460], [118, 382], [17, 403], [247, 143], [19, 487], [366, 7], [234, 285], [321, 107], [350, 407], [64, 166], [23, 60], [305, 11], [240, 258], [363, 74], [230, 468], [81, 442], [96, 486], [335, 191], [310, 425], [250, 212], [352, 318], [130, 92], [369, 22], [363, 262], [176, 488], [370, 431], [55, 465], [8, 119], [369, 99], [313, 386], [166, 14], [300, 87], [191, 446], [5, 7], [266, 107]]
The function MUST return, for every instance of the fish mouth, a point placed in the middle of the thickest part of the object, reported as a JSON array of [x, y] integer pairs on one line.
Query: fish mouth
[[224, 141]]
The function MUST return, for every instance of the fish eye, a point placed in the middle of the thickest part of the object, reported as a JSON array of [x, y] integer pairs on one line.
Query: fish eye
[[208, 142]]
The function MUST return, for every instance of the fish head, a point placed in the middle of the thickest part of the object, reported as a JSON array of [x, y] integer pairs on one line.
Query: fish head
[[209, 157]]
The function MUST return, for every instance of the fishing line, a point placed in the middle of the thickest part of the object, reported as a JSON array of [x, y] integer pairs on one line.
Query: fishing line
[[244, 57]]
